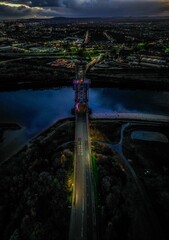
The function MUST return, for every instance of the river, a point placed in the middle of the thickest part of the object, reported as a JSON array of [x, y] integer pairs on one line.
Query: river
[[36, 110]]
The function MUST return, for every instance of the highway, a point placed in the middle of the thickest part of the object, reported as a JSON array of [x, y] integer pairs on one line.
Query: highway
[[110, 38], [131, 116], [83, 220], [86, 37]]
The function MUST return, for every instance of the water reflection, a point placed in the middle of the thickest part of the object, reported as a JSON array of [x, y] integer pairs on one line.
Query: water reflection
[[149, 136], [36, 110], [108, 100]]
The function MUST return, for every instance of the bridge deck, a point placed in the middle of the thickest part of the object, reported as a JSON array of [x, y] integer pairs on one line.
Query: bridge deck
[[83, 205]]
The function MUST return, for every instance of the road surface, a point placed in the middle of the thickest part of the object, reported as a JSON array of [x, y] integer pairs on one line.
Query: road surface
[[131, 116], [83, 221]]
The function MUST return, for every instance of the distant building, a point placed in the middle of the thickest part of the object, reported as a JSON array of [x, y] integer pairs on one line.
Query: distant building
[[5, 48], [74, 40]]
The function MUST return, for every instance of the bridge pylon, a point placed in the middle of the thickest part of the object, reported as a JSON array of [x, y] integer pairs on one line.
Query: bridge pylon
[[81, 87]]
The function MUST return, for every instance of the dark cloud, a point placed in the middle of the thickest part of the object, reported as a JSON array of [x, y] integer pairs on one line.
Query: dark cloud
[[47, 3], [12, 12], [126, 9], [43, 3], [21, 10], [84, 8]]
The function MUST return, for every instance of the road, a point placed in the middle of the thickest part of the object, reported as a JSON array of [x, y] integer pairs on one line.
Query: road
[[110, 38], [131, 116], [151, 217], [86, 37], [83, 220]]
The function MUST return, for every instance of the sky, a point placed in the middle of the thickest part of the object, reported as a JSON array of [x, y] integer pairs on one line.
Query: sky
[[82, 8]]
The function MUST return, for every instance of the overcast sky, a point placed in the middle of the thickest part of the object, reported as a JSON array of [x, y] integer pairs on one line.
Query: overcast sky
[[82, 8]]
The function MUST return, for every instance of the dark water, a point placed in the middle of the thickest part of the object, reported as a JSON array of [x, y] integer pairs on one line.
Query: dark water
[[149, 136], [36, 110]]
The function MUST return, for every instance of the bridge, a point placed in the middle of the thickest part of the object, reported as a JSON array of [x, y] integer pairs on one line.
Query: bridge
[[83, 212], [83, 218]]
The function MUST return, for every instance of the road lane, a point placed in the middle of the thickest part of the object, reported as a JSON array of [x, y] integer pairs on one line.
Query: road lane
[[82, 224]]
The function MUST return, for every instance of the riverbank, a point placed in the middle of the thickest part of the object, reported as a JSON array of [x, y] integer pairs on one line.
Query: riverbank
[[37, 184], [132, 179], [7, 127], [152, 79]]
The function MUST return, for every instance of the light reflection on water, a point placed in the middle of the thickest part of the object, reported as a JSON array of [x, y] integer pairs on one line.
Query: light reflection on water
[[149, 136], [142, 101], [36, 110]]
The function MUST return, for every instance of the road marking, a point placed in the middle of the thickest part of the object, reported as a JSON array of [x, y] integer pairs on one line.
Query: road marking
[[82, 219]]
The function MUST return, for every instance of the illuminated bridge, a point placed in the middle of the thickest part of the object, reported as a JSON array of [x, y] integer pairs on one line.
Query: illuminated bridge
[[83, 219], [83, 214]]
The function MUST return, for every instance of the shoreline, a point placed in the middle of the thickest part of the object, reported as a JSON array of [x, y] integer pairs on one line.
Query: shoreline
[[52, 150], [42, 169], [8, 127], [31, 140], [150, 79], [116, 117]]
